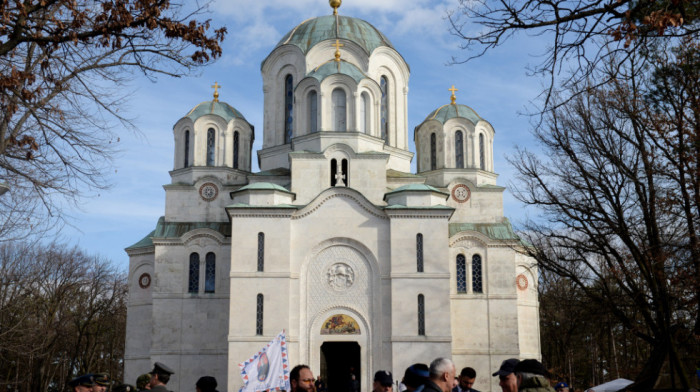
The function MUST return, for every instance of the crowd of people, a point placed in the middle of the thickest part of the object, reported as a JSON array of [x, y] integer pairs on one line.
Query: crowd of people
[[513, 375], [155, 381]]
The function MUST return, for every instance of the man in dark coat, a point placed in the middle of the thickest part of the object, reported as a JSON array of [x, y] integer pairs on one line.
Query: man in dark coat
[[532, 376], [466, 381], [160, 375]]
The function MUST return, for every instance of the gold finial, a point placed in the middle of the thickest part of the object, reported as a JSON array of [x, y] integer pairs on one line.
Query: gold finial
[[337, 45], [216, 91], [335, 4], [453, 98]]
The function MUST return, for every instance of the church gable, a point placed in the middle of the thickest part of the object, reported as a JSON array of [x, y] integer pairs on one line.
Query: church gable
[[338, 202]]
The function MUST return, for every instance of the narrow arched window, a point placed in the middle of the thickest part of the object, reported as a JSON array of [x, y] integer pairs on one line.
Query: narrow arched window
[[476, 274], [419, 252], [210, 273], [345, 176], [313, 111], [187, 149], [259, 315], [459, 150], [421, 315], [364, 113], [482, 153], [461, 274], [433, 151], [339, 110], [384, 86], [288, 108], [261, 252], [210, 147], [236, 142], [334, 171], [193, 282]]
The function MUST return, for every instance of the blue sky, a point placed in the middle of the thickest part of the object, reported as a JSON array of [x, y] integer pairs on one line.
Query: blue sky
[[496, 86]]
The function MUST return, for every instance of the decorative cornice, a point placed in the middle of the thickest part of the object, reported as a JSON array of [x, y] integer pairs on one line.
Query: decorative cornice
[[140, 251], [260, 275], [419, 275], [422, 339], [187, 296], [482, 296], [418, 214], [256, 212]]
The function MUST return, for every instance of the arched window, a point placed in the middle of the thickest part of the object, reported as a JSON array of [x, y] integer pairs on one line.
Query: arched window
[[193, 285], [339, 110], [288, 108], [261, 252], [235, 149], [461, 274], [433, 151], [187, 149], [482, 153], [421, 315], [476, 274], [210, 273], [459, 150], [419, 252], [259, 315], [384, 86], [210, 147], [334, 170], [313, 111], [364, 113], [345, 175]]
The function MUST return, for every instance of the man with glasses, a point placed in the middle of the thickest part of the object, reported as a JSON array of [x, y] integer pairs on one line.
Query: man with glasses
[[302, 379]]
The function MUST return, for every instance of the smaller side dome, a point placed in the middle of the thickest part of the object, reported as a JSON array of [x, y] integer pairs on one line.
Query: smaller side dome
[[454, 110], [221, 109]]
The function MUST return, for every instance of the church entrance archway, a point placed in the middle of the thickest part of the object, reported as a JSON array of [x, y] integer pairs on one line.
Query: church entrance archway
[[339, 361]]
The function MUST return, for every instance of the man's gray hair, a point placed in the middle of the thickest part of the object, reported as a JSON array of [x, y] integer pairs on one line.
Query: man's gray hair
[[439, 366]]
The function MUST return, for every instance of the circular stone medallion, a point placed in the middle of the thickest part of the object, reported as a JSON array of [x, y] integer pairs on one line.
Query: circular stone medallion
[[340, 276], [208, 191], [461, 193], [521, 282], [145, 281]]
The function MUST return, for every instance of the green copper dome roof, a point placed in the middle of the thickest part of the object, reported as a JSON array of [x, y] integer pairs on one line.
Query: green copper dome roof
[[334, 67], [314, 30], [449, 111], [221, 109]]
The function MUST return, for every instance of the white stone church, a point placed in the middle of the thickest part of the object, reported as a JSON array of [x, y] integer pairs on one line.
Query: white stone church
[[365, 264]]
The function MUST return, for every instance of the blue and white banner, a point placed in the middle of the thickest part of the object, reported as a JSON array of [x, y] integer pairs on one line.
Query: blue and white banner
[[268, 369]]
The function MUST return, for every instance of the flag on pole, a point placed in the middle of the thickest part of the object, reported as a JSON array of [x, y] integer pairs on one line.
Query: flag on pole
[[268, 369]]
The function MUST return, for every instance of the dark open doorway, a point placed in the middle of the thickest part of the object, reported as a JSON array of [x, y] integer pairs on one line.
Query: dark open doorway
[[339, 360]]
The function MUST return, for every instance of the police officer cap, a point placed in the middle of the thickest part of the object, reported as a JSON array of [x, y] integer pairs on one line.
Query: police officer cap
[[159, 368], [101, 379], [86, 380]]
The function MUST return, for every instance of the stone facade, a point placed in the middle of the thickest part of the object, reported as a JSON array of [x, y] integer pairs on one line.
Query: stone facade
[[334, 241]]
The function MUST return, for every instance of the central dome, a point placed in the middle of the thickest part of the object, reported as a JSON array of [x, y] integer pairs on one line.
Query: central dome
[[314, 30]]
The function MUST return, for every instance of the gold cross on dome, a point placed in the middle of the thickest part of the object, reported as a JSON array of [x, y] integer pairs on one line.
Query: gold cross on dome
[[216, 86], [453, 98], [337, 45]]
